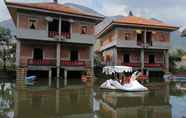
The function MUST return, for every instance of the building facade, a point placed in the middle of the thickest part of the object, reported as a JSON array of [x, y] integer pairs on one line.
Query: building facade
[[135, 41], [53, 36]]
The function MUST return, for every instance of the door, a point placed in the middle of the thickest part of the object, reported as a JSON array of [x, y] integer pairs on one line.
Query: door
[[126, 58], [38, 54], [151, 59], [74, 55]]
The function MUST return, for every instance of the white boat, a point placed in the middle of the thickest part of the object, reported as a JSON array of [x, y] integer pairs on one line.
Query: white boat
[[133, 85], [30, 80]]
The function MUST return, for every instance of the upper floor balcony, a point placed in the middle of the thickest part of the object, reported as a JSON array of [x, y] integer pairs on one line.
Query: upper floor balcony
[[52, 29], [142, 39]]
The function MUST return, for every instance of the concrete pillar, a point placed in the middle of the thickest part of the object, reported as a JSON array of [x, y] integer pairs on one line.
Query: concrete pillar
[[50, 78], [142, 59], [91, 57], [115, 55], [65, 77], [145, 37], [166, 55], [60, 22], [58, 56], [18, 48], [58, 62]]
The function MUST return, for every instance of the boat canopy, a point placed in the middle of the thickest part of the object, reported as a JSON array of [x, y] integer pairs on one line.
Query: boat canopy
[[108, 70]]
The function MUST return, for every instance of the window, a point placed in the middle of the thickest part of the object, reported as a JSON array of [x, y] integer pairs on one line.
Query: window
[[149, 38], [140, 38], [127, 36], [53, 28], [74, 55], [126, 58], [32, 23], [84, 29], [38, 54], [151, 59], [65, 29]]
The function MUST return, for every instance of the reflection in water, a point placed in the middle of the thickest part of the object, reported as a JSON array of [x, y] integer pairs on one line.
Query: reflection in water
[[82, 102], [6, 100], [136, 105]]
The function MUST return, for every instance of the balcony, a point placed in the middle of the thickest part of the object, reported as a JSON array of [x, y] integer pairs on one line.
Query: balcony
[[64, 35], [44, 62]]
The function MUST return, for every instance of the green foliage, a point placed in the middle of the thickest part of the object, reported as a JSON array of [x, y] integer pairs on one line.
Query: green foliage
[[181, 69], [174, 57], [7, 49], [97, 59]]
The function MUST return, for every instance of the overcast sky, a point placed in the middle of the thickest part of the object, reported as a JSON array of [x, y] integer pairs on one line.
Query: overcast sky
[[170, 11]]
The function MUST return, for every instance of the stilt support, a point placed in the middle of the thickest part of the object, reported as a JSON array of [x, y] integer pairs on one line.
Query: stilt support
[[65, 77], [50, 78]]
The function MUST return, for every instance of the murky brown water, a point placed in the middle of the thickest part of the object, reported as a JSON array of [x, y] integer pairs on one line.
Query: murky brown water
[[87, 102]]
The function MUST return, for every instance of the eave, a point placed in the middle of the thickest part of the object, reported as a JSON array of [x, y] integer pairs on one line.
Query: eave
[[18, 6]]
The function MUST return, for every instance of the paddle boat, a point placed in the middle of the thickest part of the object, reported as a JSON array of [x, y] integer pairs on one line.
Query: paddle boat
[[30, 80], [131, 85]]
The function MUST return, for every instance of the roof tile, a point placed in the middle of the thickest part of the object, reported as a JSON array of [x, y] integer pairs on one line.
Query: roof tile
[[51, 7], [142, 21]]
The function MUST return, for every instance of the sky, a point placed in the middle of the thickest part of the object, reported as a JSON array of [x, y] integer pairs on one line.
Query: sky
[[170, 11]]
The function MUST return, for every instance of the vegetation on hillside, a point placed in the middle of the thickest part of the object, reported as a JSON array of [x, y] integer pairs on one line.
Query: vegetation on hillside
[[7, 50], [175, 56]]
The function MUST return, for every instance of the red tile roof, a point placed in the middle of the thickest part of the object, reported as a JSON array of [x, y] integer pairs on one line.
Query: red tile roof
[[50, 6], [133, 20]]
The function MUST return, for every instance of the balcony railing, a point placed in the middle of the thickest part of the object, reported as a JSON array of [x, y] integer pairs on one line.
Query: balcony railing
[[49, 62], [156, 65], [140, 43], [73, 63], [44, 62], [64, 35], [132, 64]]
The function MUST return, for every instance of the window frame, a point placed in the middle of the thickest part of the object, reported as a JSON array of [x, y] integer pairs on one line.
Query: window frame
[[86, 30], [124, 55], [30, 23]]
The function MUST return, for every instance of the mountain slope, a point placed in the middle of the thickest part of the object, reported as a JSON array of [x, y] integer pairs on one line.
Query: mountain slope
[[9, 25]]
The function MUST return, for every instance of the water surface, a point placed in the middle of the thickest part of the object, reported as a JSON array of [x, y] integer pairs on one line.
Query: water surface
[[80, 101]]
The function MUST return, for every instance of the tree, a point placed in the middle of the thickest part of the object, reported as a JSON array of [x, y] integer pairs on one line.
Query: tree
[[130, 13], [5, 36], [174, 57]]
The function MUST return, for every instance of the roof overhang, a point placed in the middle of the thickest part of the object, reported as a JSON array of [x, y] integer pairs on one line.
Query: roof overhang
[[170, 28], [19, 6]]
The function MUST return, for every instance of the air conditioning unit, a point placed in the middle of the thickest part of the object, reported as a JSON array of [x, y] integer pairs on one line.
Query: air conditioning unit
[[49, 19], [71, 20]]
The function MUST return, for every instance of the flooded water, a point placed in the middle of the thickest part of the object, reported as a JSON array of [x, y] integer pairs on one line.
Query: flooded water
[[87, 102]]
